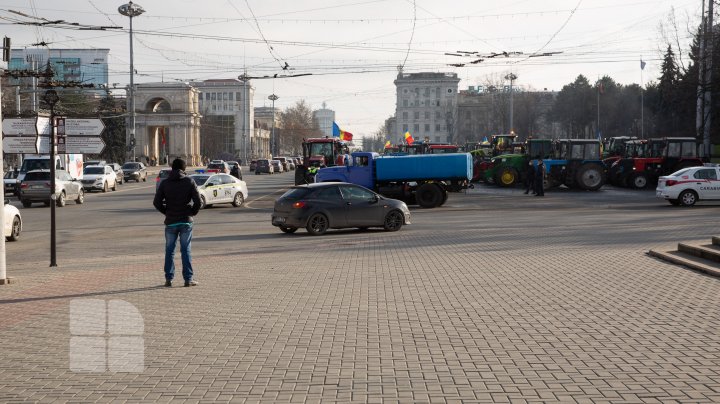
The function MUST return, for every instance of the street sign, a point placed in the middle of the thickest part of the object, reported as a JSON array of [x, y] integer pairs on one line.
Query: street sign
[[84, 145], [20, 135], [20, 144], [19, 126], [84, 127]]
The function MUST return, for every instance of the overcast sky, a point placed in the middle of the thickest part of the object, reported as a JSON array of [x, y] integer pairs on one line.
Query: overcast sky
[[353, 48]]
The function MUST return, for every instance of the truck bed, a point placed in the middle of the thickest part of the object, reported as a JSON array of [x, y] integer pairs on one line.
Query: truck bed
[[423, 167]]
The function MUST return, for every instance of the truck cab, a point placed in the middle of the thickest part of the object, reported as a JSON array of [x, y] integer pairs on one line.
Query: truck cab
[[358, 170]]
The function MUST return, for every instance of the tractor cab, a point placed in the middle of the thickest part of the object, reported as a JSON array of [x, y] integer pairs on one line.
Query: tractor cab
[[576, 163], [319, 153], [502, 144]]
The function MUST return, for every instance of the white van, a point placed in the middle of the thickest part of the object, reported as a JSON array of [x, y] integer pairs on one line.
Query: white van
[[72, 163]]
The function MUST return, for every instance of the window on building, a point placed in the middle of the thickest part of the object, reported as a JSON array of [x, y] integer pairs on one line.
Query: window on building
[[427, 128], [405, 115], [213, 96], [238, 96], [437, 127], [416, 127], [230, 96], [427, 114], [405, 103], [437, 92], [225, 96], [416, 114], [427, 91], [437, 103], [207, 96], [438, 115], [405, 128]]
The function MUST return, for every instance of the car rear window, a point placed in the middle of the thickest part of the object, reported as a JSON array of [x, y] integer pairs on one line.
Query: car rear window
[[211, 165], [94, 170], [133, 166], [200, 179], [164, 173], [296, 193], [42, 176]]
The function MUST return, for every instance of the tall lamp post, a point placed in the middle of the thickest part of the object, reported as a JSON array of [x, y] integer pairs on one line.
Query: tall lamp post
[[273, 141], [131, 10], [512, 77], [51, 98]]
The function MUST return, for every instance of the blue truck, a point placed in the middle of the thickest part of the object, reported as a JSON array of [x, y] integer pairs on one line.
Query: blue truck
[[423, 179]]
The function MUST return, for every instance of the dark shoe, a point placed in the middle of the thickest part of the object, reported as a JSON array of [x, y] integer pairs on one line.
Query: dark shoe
[[190, 283], [168, 284]]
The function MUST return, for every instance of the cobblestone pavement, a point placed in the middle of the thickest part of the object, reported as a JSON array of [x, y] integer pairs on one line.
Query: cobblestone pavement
[[495, 298]]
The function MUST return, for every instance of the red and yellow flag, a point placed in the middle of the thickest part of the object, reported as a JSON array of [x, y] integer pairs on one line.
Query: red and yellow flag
[[408, 138], [388, 144]]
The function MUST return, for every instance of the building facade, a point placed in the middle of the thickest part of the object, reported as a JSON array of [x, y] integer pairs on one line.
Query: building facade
[[325, 118], [265, 119], [89, 66], [227, 107], [426, 106]]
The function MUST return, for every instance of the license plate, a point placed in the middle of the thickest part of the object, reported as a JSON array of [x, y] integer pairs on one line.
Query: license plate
[[279, 220], [36, 186]]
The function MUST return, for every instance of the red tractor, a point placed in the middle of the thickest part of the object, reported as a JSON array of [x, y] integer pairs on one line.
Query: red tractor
[[318, 153], [662, 157]]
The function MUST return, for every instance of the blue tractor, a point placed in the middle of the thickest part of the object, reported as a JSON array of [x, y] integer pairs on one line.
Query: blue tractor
[[576, 163]]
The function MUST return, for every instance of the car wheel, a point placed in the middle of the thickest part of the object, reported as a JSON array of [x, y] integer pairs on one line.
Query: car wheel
[[674, 202], [202, 202], [15, 230], [238, 200], [105, 187], [688, 198], [114, 188], [145, 178], [288, 230], [394, 220], [26, 204], [317, 225], [61, 199], [81, 197]]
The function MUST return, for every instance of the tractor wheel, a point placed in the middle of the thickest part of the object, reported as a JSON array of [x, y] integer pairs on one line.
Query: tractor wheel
[[688, 198], [639, 181], [507, 177], [429, 195], [590, 177]]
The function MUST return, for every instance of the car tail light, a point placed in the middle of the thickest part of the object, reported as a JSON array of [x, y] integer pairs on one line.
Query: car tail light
[[299, 205], [24, 185], [157, 179], [670, 183]]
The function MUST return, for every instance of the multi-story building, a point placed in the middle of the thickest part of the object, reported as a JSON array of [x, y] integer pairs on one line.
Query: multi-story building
[[325, 118], [265, 120], [89, 66], [426, 106], [228, 114]]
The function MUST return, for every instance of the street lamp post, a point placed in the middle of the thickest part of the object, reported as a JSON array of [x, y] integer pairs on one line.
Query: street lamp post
[[131, 10], [51, 98], [512, 77], [273, 140]]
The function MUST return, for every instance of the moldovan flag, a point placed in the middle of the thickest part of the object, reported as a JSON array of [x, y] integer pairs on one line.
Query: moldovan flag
[[337, 132], [408, 138], [162, 136], [388, 144]]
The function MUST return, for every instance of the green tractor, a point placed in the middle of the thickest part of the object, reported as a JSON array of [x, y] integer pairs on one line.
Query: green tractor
[[507, 170]]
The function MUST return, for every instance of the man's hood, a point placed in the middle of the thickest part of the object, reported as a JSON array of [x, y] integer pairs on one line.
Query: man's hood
[[176, 175]]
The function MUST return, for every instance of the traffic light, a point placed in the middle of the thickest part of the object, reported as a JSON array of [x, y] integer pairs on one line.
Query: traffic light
[[6, 49]]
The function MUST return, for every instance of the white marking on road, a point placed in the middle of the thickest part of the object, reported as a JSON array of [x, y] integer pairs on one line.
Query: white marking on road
[[247, 204]]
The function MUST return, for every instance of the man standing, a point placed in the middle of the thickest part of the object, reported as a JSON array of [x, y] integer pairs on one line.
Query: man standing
[[173, 200], [530, 177], [540, 178]]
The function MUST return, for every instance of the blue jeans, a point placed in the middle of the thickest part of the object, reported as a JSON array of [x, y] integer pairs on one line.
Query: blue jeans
[[171, 235]]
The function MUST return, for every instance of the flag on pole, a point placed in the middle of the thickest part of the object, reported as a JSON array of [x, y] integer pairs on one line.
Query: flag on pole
[[408, 138], [642, 65], [343, 135], [599, 138], [162, 136], [601, 87], [388, 144]]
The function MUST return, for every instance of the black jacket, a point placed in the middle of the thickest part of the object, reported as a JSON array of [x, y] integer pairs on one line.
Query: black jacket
[[173, 198]]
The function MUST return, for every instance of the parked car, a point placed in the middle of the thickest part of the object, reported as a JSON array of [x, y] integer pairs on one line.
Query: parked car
[[94, 163], [284, 162], [220, 188], [290, 164], [322, 206], [135, 171], [253, 164], [13, 222], [690, 185], [264, 166], [235, 169], [162, 176], [100, 178], [10, 182], [218, 166], [35, 187], [119, 173], [277, 166]]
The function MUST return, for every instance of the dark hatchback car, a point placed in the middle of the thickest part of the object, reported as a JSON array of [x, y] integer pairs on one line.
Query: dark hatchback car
[[336, 205], [264, 166], [134, 171]]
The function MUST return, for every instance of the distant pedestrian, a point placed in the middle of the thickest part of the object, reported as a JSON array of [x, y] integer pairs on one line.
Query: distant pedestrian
[[173, 199], [530, 177], [540, 178]]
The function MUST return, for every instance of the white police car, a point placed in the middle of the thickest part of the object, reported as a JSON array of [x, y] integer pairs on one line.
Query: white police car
[[689, 185], [220, 188]]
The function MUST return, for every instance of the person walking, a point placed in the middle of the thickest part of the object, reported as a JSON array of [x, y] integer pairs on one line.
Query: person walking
[[530, 177], [172, 199], [540, 178]]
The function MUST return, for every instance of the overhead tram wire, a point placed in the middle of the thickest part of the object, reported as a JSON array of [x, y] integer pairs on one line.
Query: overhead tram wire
[[412, 34]]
